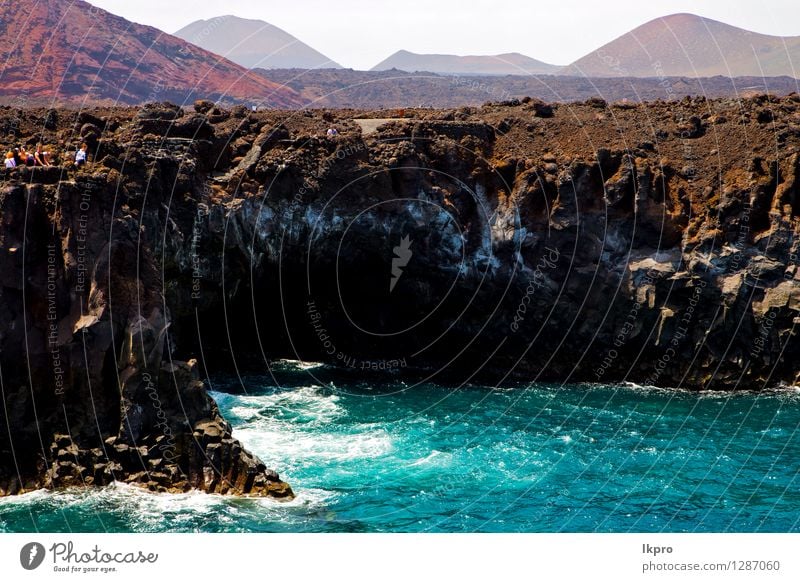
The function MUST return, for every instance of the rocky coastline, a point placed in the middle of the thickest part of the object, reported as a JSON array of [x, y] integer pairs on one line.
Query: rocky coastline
[[593, 242]]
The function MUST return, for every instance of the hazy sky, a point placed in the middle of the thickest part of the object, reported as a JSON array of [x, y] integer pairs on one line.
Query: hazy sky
[[361, 33]]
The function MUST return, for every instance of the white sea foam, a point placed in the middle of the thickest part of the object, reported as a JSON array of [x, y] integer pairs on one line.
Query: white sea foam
[[274, 442], [25, 498], [298, 365], [148, 511], [312, 404], [434, 459], [299, 426]]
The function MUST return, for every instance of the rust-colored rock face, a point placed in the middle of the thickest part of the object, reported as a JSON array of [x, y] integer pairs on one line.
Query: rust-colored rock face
[[73, 52]]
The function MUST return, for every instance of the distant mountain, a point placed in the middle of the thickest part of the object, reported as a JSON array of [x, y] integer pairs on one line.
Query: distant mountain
[[371, 90], [75, 52], [691, 46], [254, 43], [506, 64]]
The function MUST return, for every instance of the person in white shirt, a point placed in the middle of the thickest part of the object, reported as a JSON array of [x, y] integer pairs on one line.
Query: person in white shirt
[[10, 161], [80, 156]]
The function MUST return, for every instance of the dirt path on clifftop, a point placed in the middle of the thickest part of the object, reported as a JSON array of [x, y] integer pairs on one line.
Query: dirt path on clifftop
[[369, 126]]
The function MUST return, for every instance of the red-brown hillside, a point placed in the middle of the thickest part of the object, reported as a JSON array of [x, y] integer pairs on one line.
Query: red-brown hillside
[[73, 52]]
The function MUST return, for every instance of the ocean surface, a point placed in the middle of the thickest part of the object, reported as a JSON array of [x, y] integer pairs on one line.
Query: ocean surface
[[390, 457]]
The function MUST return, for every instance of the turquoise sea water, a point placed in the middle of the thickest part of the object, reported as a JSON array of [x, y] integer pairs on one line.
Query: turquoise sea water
[[369, 457]]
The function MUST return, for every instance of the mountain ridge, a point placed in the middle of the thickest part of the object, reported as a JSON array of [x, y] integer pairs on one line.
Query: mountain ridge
[[253, 43], [502, 64]]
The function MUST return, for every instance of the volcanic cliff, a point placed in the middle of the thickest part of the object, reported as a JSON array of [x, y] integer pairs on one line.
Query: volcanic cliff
[[518, 241]]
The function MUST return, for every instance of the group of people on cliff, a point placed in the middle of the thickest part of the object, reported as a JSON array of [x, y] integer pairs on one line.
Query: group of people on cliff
[[40, 157]]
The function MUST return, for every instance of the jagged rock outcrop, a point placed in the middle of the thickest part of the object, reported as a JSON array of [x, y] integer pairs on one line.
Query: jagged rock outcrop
[[602, 242]]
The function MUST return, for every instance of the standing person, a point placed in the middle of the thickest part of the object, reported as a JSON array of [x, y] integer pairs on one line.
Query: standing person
[[80, 156], [10, 161]]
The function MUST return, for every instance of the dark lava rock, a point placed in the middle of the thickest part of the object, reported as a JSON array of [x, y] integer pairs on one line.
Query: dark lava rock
[[90, 131], [765, 116], [542, 109], [596, 102], [51, 120], [203, 106], [194, 127], [166, 111], [85, 117], [693, 128]]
